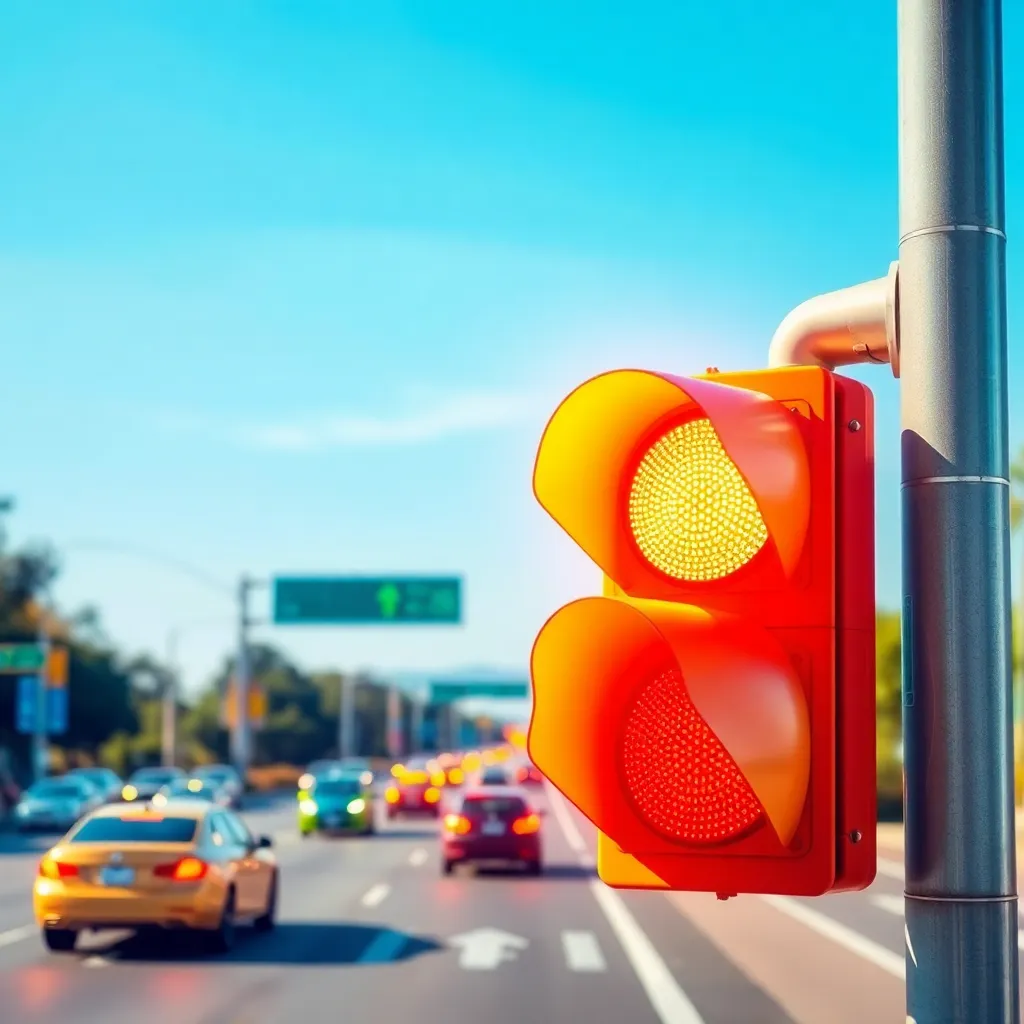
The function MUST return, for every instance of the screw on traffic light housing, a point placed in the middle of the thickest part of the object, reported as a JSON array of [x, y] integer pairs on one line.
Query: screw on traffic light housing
[[713, 713]]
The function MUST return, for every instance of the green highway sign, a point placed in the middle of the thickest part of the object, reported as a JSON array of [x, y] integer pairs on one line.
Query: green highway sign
[[448, 690], [368, 600], [18, 658]]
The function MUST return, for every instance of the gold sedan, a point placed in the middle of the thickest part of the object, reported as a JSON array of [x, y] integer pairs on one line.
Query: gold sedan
[[188, 865]]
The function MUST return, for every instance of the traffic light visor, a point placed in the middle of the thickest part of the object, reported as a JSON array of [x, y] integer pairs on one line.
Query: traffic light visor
[[684, 477], [666, 724]]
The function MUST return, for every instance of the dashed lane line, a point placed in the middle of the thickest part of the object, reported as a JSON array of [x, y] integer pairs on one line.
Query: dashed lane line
[[376, 894]]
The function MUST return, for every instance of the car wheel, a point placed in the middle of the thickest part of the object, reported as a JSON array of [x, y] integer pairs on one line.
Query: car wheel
[[59, 940], [265, 922], [304, 833], [222, 938], [534, 867], [447, 867]]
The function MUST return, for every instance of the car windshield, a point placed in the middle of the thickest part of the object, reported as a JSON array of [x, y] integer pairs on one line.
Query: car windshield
[[338, 787], [155, 777], [149, 829], [494, 805], [188, 787], [214, 774], [55, 791]]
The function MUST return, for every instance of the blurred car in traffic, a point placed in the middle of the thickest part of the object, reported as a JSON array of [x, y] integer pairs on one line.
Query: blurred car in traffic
[[224, 778], [190, 865], [145, 783], [358, 765], [315, 769], [494, 775], [527, 774], [492, 825], [192, 789], [413, 792], [55, 804], [337, 802], [106, 781]]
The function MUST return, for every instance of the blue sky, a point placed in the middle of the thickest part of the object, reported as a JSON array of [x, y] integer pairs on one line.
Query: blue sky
[[292, 287]]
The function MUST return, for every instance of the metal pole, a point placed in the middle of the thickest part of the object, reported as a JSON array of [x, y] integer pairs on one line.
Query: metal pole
[[346, 716], [168, 738], [961, 904], [416, 728], [240, 733], [40, 746]]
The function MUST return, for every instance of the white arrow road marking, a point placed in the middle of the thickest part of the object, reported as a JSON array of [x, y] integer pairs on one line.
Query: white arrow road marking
[[418, 857], [376, 894], [484, 948], [9, 938], [582, 952], [384, 948]]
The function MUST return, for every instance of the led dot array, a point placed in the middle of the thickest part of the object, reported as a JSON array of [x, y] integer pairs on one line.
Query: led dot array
[[681, 778], [690, 510]]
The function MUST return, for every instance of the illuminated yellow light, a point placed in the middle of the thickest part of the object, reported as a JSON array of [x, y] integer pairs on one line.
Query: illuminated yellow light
[[691, 512], [195, 785], [432, 795], [438, 778], [456, 777], [159, 799], [392, 795], [306, 781], [129, 792], [397, 769]]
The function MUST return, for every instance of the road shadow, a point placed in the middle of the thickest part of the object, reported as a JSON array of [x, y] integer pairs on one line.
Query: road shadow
[[301, 943], [398, 832], [13, 843], [551, 873]]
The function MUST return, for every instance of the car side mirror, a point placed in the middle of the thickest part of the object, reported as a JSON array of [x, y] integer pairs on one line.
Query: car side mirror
[[264, 843]]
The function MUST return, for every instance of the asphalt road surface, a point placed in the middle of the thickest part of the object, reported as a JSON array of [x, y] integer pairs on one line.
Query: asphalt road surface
[[370, 931]]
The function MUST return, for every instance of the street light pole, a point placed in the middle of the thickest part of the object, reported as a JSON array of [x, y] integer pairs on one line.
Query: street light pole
[[240, 731], [169, 731], [961, 902]]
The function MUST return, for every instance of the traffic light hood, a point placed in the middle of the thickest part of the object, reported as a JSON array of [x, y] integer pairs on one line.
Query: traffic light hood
[[664, 480], [686, 726]]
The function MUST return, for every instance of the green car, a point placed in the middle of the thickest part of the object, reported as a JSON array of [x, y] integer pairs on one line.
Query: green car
[[336, 803]]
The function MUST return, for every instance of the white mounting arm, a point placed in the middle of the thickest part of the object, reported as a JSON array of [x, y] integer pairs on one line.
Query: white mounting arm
[[852, 325]]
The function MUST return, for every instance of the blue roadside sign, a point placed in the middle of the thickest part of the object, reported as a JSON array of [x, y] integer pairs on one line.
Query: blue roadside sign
[[57, 710], [25, 704]]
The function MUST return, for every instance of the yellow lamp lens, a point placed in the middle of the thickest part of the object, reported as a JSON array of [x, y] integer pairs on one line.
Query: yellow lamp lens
[[690, 510]]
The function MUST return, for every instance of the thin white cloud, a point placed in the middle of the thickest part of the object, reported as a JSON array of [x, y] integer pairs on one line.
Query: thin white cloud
[[465, 413]]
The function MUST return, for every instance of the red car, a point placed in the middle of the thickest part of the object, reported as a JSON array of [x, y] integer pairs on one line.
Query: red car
[[413, 793], [493, 824], [527, 775]]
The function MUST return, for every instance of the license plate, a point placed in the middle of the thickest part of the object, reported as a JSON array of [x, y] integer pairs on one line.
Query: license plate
[[117, 876], [493, 828], [332, 819]]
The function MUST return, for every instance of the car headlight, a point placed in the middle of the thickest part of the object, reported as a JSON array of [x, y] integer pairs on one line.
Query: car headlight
[[21, 809], [357, 805], [308, 806], [366, 778], [305, 781], [129, 792]]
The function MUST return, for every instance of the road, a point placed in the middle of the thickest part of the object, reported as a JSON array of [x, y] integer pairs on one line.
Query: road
[[371, 931]]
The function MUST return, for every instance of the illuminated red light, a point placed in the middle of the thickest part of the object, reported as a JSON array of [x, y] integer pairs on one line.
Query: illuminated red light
[[55, 869], [527, 825], [188, 869], [679, 775]]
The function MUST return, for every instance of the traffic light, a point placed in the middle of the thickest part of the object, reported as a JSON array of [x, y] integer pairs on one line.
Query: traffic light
[[713, 714]]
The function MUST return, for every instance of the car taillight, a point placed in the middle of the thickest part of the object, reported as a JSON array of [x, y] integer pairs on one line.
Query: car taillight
[[457, 823], [432, 795], [50, 868], [188, 869], [392, 795], [526, 826], [522, 775]]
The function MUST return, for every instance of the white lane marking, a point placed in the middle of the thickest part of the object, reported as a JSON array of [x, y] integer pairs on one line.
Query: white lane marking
[[572, 834], [669, 1001], [890, 904], [384, 948], [418, 857], [376, 894], [890, 868], [889, 961], [9, 938], [95, 961], [484, 948], [582, 952]]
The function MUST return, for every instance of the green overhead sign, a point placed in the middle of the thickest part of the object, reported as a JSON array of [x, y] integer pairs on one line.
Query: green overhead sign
[[20, 658], [368, 600]]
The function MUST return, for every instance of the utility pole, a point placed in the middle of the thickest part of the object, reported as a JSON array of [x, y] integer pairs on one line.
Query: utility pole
[[240, 732], [961, 885], [169, 724], [416, 726], [346, 717]]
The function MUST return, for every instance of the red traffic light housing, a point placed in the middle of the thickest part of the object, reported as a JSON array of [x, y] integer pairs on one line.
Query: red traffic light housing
[[714, 713]]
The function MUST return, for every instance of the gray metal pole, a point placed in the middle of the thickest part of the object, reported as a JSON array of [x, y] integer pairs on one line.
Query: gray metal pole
[[346, 713], [169, 725], [416, 728], [961, 904], [240, 733]]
